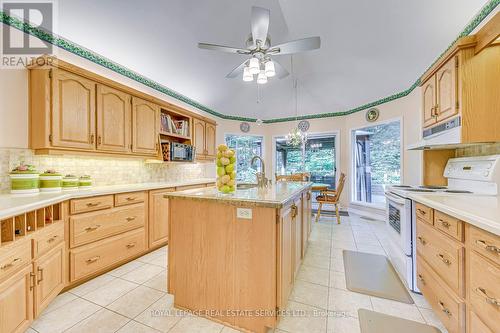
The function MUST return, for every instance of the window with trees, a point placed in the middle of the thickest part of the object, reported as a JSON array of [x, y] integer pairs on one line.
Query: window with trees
[[376, 161], [246, 147]]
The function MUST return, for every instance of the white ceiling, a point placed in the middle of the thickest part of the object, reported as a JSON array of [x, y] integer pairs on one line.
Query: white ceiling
[[370, 49]]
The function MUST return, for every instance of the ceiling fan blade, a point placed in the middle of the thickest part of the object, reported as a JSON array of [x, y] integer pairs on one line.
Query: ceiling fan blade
[[281, 71], [296, 46], [260, 24], [222, 48], [237, 70]]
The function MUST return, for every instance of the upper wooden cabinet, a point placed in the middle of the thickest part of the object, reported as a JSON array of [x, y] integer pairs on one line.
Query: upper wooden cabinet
[[73, 111], [204, 137], [113, 120], [145, 118], [464, 83]]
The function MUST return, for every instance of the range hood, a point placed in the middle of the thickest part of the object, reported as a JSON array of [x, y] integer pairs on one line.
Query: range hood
[[447, 135]]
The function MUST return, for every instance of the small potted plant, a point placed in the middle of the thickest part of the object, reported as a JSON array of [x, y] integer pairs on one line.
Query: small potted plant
[[85, 182], [50, 181], [70, 183], [24, 179]]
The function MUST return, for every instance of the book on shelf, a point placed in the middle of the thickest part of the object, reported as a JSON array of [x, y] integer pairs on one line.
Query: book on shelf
[[168, 125]]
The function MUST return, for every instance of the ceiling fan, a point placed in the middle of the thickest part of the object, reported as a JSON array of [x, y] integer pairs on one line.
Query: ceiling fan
[[260, 51]]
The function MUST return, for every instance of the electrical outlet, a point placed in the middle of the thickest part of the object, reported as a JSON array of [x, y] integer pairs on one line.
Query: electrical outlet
[[244, 213]]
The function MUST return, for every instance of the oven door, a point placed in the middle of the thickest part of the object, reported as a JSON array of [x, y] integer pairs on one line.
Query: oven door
[[398, 221]]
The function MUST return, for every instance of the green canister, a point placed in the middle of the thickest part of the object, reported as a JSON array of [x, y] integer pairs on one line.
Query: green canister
[[50, 181], [85, 182], [24, 179], [70, 183]]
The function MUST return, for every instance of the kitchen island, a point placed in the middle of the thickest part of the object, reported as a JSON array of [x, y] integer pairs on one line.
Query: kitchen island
[[233, 258]]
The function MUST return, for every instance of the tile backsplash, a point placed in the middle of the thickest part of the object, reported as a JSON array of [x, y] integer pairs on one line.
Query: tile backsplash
[[104, 170], [481, 150]]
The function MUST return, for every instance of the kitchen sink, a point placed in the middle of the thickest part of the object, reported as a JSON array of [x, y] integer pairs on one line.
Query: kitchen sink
[[245, 186]]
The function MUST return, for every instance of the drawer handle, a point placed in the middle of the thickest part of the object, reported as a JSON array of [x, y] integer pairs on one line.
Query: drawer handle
[[93, 204], [51, 239], [10, 264], [421, 278], [92, 260], [294, 210], [488, 299], [444, 309], [444, 223], [487, 247], [443, 259], [95, 227], [131, 218], [131, 245], [421, 211], [131, 198], [40, 275], [422, 240], [32, 280]]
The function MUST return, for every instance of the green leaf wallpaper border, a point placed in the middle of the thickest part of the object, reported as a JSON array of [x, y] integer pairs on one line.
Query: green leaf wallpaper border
[[85, 53]]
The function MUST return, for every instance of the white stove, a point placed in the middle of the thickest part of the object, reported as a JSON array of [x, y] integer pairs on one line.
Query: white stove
[[466, 176]]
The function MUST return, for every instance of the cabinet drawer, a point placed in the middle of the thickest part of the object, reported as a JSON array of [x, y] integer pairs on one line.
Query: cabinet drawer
[[485, 243], [47, 239], [130, 198], [443, 254], [189, 187], [90, 227], [448, 307], [84, 205], [484, 290], [476, 325], [91, 258], [15, 257], [424, 213], [449, 225]]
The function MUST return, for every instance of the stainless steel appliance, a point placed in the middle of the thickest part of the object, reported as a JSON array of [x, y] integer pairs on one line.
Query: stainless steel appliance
[[466, 176], [181, 152]]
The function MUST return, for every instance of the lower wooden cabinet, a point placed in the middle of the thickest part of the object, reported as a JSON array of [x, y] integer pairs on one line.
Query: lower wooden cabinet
[[158, 217], [50, 277], [476, 325], [16, 302]]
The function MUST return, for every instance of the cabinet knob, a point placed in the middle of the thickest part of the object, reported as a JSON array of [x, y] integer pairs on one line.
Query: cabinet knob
[[52, 239], [93, 204], [131, 245], [92, 228], [131, 218], [92, 260], [422, 240], [444, 223], [421, 278], [40, 275], [443, 259], [487, 247], [92, 136], [487, 298], [445, 310], [10, 264]]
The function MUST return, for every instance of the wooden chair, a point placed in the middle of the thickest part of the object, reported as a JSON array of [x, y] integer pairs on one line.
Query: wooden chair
[[331, 197], [294, 177]]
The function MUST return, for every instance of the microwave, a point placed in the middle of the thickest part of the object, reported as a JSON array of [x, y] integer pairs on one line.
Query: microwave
[[181, 152]]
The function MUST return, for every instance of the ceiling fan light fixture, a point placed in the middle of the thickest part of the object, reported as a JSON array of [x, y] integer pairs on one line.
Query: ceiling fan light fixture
[[247, 76], [269, 69], [261, 78], [254, 66]]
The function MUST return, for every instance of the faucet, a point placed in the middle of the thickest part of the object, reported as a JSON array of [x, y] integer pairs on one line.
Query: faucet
[[262, 181]]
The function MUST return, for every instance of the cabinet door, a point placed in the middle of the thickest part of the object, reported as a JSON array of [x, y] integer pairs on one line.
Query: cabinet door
[[210, 140], [73, 111], [144, 127], [50, 271], [16, 302], [113, 120], [297, 223], [158, 217], [446, 88], [306, 221], [199, 137], [286, 249], [429, 101]]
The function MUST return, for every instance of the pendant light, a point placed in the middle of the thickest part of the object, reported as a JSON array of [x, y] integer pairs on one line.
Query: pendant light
[[262, 78], [269, 69], [247, 76], [254, 66]]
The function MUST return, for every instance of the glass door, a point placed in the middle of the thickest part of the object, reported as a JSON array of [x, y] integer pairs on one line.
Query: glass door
[[318, 157]]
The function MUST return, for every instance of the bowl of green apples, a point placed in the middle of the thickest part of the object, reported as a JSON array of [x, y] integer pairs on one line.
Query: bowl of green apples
[[226, 169]]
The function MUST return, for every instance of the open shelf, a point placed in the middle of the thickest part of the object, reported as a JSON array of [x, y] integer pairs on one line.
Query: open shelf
[[175, 136], [175, 126], [17, 227]]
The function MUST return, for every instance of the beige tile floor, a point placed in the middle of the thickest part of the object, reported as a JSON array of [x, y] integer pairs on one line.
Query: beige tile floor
[[131, 297]]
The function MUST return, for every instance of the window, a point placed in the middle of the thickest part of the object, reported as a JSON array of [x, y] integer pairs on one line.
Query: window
[[376, 161], [246, 147]]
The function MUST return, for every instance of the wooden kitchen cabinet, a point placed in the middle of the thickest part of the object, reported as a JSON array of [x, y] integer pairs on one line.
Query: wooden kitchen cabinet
[[73, 111], [204, 137], [16, 302], [447, 90], [145, 128], [113, 120], [429, 101], [158, 217], [50, 274]]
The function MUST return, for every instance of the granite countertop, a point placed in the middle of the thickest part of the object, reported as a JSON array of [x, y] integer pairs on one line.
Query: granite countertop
[[14, 204], [478, 210], [274, 196]]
